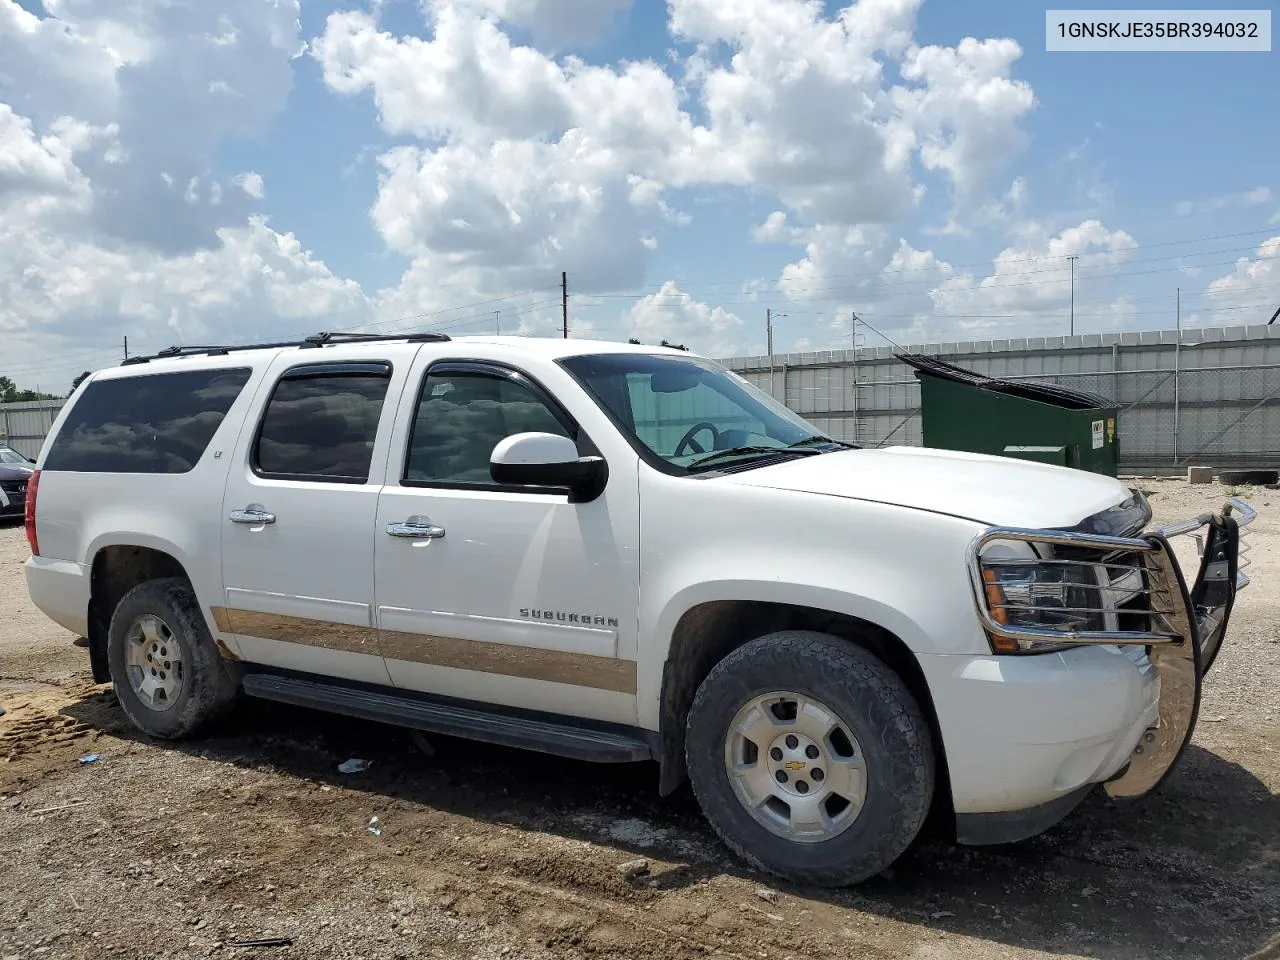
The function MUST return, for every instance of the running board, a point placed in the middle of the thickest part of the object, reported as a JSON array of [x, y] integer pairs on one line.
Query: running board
[[563, 739]]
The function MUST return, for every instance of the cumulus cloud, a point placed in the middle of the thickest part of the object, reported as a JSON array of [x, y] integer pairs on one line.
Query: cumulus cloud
[[33, 164], [967, 111], [252, 184], [1028, 281], [172, 80], [111, 222], [1247, 293], [674, 316], [513, 160], [519, 150]]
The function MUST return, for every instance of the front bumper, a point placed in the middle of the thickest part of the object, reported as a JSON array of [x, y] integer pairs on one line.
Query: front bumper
[[13, 502], [1184, 632]]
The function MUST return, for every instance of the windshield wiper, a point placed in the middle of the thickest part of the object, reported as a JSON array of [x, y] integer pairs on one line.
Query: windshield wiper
[[818, 438], [749, 451]]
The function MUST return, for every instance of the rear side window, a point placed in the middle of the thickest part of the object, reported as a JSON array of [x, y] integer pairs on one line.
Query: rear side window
[[321, 423], [160, 423]]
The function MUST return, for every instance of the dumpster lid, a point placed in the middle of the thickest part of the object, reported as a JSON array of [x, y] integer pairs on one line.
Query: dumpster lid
[[1068, 397]]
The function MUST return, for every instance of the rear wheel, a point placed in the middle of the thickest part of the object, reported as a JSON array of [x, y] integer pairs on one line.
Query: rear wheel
[[810, 758], [168, 677]]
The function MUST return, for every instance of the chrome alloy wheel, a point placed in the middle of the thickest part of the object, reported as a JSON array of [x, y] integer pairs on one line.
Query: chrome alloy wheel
[[796, 767], [153, 657]]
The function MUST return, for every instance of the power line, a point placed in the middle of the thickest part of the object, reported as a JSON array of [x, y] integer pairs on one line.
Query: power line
[[888, 290], [992, 281], [1037, 258]]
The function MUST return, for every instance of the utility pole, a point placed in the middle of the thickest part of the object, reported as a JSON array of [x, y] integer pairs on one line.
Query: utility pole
[[497, 326], [1177, 369], [853, 370], [126, 348], [768, 332], [1073, 260], [564, 301]]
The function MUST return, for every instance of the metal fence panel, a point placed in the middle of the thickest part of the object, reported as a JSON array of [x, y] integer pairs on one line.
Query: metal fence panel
[[24, 425], [1207, 396], [1202, 396]]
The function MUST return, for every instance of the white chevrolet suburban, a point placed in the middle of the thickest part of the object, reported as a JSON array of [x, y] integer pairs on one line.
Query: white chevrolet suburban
[[620, 553]]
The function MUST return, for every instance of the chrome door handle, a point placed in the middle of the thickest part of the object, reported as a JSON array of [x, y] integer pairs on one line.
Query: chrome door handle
[[415, 531], [252, 516]]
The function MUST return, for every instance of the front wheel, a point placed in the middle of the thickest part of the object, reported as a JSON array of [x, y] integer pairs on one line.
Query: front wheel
[[810, 758]]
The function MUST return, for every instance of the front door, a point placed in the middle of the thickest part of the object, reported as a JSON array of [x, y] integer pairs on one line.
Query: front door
[[298, 514], [505, 595]]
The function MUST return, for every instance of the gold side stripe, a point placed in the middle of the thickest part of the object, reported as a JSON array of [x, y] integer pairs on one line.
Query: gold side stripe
[[221, 619], [530, 663], [347, 637]]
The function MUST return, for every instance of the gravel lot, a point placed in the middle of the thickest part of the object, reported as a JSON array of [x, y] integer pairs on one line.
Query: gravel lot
[[181, 850]]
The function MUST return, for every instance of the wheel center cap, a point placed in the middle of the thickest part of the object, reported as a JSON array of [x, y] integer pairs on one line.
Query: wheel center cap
[[795, 763]]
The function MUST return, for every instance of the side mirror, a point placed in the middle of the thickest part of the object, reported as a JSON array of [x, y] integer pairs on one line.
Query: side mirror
[[548, 460]]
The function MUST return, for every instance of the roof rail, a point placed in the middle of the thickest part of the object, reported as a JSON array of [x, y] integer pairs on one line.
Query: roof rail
[[322, 339]]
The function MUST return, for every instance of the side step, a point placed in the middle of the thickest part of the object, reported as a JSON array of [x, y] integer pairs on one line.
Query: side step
[[563, 739]]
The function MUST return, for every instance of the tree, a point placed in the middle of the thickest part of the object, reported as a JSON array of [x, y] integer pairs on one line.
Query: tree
[[79, 380], [9, 393]]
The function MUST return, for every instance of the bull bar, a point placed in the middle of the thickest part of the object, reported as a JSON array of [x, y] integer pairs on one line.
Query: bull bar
[[1185, 626]]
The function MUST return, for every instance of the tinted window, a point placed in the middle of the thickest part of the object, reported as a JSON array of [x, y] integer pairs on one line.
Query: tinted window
[[321, 423], [160, 423], [461, 417]]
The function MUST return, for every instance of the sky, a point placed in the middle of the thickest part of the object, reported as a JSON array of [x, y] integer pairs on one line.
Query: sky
[[223, 172]]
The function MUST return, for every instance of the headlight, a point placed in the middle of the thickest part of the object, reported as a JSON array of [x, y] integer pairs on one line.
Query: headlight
[[1043, 590], [1041, 596]]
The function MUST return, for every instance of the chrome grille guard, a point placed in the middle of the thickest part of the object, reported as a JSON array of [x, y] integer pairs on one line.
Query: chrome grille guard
[[1184, 626]]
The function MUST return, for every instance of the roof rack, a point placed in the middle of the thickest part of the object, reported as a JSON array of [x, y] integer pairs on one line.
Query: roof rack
[[322, 339]]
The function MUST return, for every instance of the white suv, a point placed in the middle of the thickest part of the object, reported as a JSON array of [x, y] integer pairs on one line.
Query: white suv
[[620, 553]]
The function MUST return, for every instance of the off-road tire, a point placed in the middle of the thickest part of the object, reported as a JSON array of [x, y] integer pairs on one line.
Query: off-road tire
[[870, 698], [210, 684]]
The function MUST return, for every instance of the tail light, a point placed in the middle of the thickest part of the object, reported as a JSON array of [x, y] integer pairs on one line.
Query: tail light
[[33, 484]]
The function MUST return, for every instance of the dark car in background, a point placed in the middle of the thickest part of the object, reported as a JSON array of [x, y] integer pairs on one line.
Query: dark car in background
[[15, 473]]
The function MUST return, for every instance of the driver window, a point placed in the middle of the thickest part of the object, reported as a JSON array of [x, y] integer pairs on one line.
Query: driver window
[[663, 419], [461, 417]]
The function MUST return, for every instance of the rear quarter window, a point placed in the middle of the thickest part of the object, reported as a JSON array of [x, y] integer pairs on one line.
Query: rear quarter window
[[159, 423]]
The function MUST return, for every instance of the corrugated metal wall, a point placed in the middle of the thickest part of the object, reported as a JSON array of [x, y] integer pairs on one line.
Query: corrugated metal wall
[[1208, 396], [25, 424]]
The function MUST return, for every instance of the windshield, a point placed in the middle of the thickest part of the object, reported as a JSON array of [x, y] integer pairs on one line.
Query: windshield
[[684, 410], [8, 455]]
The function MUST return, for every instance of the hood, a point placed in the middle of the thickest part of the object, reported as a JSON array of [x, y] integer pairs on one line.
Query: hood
[[15, 471], [991, 490]]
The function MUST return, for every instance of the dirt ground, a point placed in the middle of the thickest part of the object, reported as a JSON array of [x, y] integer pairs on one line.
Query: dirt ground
[[182, 850]]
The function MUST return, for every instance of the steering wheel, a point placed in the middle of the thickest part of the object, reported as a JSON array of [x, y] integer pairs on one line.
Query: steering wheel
[[687, 439]]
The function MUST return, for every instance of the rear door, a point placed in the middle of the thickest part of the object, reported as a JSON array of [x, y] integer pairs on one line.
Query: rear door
[[506, 595], [299, 508]]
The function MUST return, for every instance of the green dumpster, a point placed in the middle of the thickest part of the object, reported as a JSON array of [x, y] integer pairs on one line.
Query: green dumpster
[[963, 410]]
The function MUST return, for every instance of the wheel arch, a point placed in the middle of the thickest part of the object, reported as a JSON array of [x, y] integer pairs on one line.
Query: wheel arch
[[708, 632], [115, 569]]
